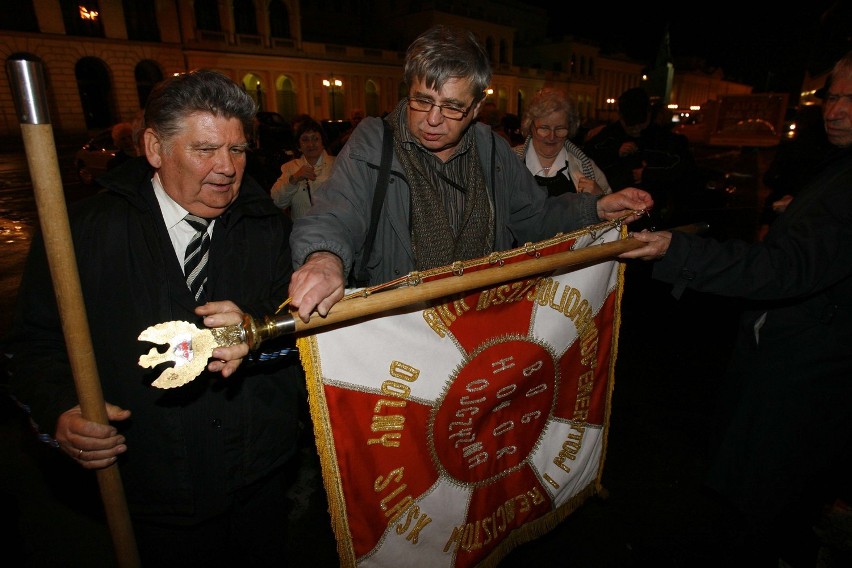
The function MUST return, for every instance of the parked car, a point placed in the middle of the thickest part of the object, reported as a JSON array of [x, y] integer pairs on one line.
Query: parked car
[[91, 160]]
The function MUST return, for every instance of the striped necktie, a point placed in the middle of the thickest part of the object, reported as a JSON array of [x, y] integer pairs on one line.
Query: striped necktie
[[195, 258]]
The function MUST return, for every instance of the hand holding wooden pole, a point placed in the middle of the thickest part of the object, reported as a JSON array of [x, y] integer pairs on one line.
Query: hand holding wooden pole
[[27, 80]]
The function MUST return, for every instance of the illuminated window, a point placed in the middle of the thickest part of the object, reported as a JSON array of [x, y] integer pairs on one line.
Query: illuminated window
[[82, 18]]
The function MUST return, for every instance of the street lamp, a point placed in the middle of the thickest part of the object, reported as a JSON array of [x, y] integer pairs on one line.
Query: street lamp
[[333, 84]]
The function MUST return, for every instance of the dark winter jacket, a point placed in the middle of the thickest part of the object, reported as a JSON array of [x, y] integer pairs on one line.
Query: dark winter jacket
[[522, 213], [790, 382], [188, 447]]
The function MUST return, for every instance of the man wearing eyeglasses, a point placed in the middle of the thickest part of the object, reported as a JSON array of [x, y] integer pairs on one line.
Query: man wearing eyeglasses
[[456, 191]]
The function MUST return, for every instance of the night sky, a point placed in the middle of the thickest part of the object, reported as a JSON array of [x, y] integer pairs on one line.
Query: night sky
[[757, 43]]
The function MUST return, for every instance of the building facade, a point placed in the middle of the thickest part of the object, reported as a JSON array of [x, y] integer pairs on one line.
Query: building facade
[[102, 57]]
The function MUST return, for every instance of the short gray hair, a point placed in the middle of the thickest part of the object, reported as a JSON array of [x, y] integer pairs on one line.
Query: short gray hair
[[546, 102], [843, 68], [201, 90], [442, 53]]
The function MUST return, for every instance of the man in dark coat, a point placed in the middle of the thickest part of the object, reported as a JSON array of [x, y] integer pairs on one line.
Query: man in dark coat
[[637, 151], [786, 434], [203, 465]]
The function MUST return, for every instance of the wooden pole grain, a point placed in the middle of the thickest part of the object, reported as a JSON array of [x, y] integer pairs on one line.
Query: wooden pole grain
[[40, 150], [358, 307]]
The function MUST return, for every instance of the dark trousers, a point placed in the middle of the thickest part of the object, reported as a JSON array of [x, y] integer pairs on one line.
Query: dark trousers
[[251, 533]]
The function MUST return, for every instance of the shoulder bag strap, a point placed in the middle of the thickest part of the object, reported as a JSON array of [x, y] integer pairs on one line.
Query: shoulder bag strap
[[361, 277]]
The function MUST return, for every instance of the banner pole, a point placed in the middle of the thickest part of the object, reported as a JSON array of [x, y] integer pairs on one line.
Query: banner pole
[[355, 306], [27, 81]]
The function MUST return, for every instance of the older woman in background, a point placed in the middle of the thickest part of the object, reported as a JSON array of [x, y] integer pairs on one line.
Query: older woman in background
[[305, 174], [558, 165]]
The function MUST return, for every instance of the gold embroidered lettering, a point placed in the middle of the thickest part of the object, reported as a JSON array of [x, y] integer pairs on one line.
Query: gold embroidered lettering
[[393, 388], [404, 372], [477, 459], [446, 315], [387, 440], [562, 299], [524, 502], [467, 422], [384, 402], [479, 532], [484, 300], [441, 317], [537, 497], [387, 422], [560, 463], [502, 365], [507, 451], [545, 291], [414, 535], [382, 482], [434, 321], [550, 480]]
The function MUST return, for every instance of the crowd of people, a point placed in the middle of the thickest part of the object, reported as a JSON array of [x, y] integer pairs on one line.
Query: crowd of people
[[204, 466]]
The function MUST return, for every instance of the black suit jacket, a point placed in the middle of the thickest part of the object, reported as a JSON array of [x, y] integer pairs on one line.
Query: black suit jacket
[[191, 446]]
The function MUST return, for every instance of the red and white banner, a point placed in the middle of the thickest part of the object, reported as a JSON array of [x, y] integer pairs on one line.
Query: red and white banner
[[452, 432]]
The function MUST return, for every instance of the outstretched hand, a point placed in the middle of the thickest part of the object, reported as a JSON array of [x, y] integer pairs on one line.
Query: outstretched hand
[[656, 245], [630, 202]]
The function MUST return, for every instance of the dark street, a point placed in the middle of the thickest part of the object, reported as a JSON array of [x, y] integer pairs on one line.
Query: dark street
[[655, 511]]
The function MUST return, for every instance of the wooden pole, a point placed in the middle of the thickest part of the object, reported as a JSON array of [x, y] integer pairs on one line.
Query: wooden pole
[[386, 300], [398, 297], [28, 85]]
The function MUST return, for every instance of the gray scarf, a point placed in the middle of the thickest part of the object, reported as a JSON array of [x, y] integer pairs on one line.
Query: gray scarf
[[432, 238]]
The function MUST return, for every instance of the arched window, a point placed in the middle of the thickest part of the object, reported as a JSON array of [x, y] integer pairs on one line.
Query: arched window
[[245, 18], [336, 95], [285, 97], [502, 100], [279, 19], [147, 74], [371, 99], [489, 49], [82, 18], [95, 88], [504, 52], [521, 98], [207, 15], [253, 86], [140, 17]]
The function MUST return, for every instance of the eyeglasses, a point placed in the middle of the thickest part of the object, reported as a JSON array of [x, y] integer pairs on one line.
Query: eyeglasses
[[544, 131], [447, 111]]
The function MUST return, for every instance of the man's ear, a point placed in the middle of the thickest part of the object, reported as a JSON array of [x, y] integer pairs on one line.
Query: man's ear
[[153, 147], [476, 108]]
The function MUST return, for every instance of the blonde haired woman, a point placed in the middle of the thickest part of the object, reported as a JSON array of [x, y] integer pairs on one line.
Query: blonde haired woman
[[558, 165], [303, 176]]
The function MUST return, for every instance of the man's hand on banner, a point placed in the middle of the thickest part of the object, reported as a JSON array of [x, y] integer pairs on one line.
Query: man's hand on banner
[[629, 203], [317, 285], [655, 247]]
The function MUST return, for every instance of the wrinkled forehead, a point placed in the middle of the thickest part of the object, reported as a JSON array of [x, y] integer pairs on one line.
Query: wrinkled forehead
[[454, 88]]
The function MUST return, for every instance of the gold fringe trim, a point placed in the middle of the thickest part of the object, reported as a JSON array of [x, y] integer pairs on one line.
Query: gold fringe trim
[[325, 441], [537, 528], [325, 448]]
